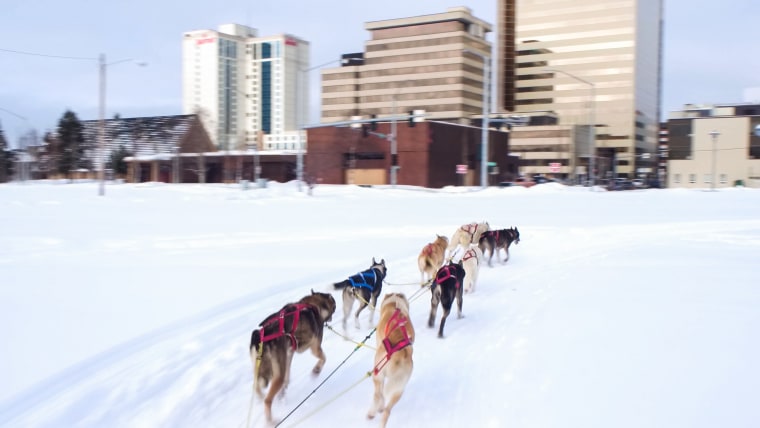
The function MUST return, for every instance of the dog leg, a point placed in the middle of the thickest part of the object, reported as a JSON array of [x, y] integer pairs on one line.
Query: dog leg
[[316, 350], [433, 307], [378, 401], [348, 303], [459, 304], [443, 321]]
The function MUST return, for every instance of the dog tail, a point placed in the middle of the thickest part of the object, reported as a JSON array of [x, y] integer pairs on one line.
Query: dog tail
[[340, 285], [255, 340]]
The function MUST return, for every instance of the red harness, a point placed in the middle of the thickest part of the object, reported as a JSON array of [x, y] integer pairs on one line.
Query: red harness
[[468, 255], [428, 250], [397, 321], [446, 275], [280, 319]]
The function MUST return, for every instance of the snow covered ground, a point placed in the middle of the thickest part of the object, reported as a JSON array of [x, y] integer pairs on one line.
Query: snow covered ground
[[617, 309]]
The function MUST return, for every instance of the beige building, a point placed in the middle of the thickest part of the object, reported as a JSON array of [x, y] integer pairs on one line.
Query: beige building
[[714, 147], [591, 62], [415, 63]]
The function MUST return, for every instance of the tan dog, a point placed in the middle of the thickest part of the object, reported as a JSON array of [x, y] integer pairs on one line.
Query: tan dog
[[467, 234], [431, 258], [295, 328], [393, 358]]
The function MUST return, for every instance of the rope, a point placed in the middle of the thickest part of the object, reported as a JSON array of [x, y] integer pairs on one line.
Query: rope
[[328, 377], [328, 402], [329, 327], [400, 283]]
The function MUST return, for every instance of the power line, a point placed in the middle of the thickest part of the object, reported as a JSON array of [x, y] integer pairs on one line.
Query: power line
[[48, 56]]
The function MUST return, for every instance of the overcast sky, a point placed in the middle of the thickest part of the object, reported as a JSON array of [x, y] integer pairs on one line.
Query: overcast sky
[[710, 49]]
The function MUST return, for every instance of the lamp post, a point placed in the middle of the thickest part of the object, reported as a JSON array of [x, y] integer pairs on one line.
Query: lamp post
[[103, 65], [714, 134], [484, 132], [592, 119], [301, 130]]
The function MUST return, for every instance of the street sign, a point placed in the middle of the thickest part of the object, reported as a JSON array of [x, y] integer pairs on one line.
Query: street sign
[[554, 166], [462, 169]]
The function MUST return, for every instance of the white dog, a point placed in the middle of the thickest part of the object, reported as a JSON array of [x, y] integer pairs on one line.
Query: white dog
[[471, 260]]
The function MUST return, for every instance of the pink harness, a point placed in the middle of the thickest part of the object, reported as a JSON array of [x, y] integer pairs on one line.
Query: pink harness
[[397, 321], [280, 319]]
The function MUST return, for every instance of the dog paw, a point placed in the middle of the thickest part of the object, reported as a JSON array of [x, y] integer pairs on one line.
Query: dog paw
[[316, 370]]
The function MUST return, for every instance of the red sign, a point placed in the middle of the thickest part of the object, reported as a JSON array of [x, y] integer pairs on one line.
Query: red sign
[[205, 40], [291, 42], [461, 169], [554, 166]]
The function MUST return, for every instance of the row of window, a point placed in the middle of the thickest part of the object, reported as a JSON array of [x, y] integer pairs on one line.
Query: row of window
[[706, 179]]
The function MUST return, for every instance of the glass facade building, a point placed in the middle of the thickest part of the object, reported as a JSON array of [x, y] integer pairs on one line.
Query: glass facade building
[[591, 62]]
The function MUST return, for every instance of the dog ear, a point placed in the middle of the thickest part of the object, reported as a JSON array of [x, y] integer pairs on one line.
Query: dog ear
[[373, 260], [312, 292]]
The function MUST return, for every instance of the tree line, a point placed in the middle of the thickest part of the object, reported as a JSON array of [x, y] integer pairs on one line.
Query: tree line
[[62, 153]]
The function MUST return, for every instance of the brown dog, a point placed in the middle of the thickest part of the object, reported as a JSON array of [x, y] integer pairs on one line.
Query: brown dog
[[431, 258], [295, 328], [393, 358]]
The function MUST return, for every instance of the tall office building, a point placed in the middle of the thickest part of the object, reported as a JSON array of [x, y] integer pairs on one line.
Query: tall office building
[[589, 61], [246, 89], [412, 63]]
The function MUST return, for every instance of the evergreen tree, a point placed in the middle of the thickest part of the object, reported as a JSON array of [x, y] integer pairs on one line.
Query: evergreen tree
[[72, 148], [6, 158], [116, 161]]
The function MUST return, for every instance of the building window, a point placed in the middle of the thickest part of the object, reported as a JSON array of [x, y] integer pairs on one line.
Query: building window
[[723, 179], [677, 178], [692, 178], [708, 178]]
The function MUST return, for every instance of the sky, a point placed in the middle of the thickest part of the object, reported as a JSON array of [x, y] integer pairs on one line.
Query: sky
[[708, 54], [616, 309]]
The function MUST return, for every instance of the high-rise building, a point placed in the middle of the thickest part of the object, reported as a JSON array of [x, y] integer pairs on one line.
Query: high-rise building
[[245, 88], [591, 62], [431, 62]]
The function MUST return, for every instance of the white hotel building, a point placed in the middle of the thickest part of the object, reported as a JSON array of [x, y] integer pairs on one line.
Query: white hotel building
[[247, 90]]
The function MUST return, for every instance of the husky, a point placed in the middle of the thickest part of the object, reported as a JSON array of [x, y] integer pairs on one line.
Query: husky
[[471, 263], [494, 240], [295, 328], [467, 234], [431, 258], [393, 358], [365, 286], [446, 287]]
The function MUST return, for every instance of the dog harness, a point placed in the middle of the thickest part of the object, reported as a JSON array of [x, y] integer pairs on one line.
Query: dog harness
[[443, 274], [471, 229], [280, 320], [364, 279], [396, 321], [468, 255], [428, 250]]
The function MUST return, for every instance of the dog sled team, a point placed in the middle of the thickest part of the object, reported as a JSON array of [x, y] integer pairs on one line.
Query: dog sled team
[[448, 266]]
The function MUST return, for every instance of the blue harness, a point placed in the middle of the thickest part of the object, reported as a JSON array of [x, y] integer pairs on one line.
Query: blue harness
[[364, 279]]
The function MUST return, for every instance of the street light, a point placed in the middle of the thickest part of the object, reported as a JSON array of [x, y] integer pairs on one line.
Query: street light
[[714, 134], [301, 130], [102, 120], [484, 131], [592, 125]]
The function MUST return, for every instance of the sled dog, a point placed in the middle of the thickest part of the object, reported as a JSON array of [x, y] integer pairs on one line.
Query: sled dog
[[446, 287], [364, 286], [471, 263], [466, 234], [431, 258], [500, 239], [295, 328], [393, 358]]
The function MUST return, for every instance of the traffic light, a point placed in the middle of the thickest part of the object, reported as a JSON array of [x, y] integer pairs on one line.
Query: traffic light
[[411, 118]]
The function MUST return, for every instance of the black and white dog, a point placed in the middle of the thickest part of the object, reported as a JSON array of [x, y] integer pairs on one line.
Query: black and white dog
[[494, 240], [364, 286]]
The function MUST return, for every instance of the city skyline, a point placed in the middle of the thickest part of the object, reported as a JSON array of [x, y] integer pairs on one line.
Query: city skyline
[[37, 89]]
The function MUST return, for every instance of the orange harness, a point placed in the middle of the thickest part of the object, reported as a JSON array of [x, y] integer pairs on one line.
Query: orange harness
[[397, 321]]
